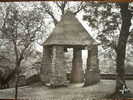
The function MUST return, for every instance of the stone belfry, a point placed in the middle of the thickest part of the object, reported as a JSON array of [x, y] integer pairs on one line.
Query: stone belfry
[[68, 33]]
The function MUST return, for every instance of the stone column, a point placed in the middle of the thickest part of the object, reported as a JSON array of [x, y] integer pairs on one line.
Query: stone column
[[58, 75], [77, 71], [46, 65], [92, 75], [93, 59]]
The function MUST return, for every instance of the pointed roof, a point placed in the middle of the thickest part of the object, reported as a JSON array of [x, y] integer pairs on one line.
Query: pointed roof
[[69, 31]]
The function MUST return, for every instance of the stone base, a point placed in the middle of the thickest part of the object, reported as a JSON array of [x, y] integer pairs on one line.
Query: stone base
[[91, 77]]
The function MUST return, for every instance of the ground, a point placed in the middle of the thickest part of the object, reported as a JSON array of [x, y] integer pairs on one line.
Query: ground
[[72, 92]]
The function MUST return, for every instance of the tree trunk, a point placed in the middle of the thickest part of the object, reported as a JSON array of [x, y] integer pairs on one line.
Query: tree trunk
[[16, 87], [121, 48], [17, 79]]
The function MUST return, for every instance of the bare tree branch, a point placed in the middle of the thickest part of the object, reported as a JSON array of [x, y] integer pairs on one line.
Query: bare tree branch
[[62, 5], [81, 6], [48, 10]]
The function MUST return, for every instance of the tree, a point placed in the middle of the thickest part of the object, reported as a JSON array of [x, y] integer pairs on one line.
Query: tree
[[126, 16], [62, 6], [112, 28], [20, 28]]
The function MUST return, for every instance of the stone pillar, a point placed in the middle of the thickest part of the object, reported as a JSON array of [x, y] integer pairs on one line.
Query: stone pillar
[[92, 74], [77, 71], [93, 59], [46, 65], [58, 75]]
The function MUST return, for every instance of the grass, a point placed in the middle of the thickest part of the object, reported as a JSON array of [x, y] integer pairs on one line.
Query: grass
[[104, 89]]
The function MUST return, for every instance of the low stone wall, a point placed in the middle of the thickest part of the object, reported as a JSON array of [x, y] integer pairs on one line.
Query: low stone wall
[[113, 76]]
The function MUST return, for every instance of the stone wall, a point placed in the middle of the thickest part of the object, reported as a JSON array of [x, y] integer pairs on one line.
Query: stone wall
[[92, 73], [58, 75], [45, 70]]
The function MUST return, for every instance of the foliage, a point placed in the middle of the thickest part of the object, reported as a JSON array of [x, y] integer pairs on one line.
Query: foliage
[[20, 29], [105, 18]]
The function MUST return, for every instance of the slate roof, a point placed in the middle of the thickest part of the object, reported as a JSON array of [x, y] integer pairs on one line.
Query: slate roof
[[69, 31]]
